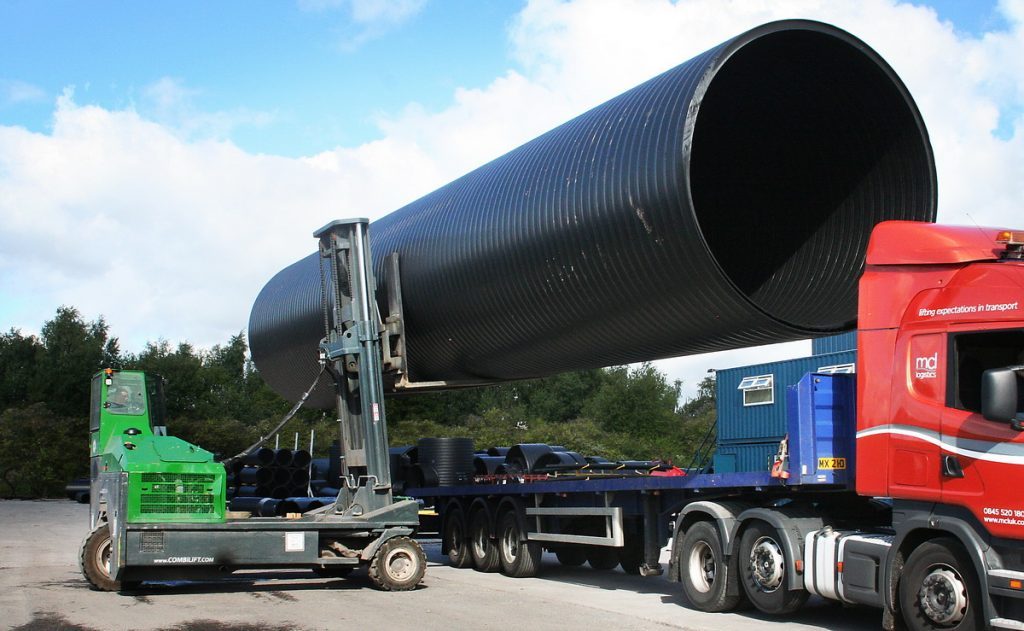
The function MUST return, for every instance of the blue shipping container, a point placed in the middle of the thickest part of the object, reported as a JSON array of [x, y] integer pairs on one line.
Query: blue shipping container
[[764, 417], [744, 458], [834, 343]]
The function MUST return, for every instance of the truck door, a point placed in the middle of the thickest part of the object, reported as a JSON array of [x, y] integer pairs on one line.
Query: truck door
[[914, 454], [983, 460]]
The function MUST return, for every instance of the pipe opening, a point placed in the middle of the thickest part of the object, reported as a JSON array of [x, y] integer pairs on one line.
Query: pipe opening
[[802, 143]]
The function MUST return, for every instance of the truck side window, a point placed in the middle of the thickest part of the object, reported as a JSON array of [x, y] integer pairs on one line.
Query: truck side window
[[974, 354]]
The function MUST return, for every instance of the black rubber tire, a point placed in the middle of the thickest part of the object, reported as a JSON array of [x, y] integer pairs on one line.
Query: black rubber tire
[[939, 554], [779, 599], [631, 556], [482, 547], [704, 572], [571, 556], [602, 558], [398, 565], [519, 558], [456, 539], [94, 561]]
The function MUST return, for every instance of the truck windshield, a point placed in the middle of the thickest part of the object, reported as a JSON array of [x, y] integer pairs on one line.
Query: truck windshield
[[126, 394], [974, 353]]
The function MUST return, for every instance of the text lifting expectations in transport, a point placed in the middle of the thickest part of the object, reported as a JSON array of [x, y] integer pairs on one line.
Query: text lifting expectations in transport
[[960, 309]]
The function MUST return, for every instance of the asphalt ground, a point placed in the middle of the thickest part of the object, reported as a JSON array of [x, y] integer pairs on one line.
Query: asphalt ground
[[41, 588]]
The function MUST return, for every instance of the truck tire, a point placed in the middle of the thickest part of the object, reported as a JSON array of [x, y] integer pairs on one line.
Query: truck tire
[[602, 558], [703, 570], [398, 565], [481, 546], [939, 590], [519, 558], [456, 540], [94, 561], [571, 556], [762, 564]]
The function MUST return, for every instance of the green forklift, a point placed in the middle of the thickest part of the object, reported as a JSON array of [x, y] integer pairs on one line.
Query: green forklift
[[158, 506]]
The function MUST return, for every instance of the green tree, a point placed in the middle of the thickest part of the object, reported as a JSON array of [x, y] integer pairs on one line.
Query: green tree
[[72, 351], [18, 357]]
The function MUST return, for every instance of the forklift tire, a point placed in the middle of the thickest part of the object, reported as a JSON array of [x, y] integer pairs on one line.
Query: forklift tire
[[704, 571], [519, 558], [398, 565], [456, 540], [571, 556], [602, 558], [484, 552], [94, 561], [762, 569]]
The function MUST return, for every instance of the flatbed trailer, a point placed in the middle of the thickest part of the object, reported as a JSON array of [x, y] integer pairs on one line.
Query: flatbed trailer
[[906, 500]]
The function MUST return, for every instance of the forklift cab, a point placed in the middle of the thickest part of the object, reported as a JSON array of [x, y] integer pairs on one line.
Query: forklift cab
[[126, 401]]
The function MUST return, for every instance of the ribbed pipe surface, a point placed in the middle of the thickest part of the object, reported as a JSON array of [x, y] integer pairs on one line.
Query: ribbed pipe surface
[[724, 203]]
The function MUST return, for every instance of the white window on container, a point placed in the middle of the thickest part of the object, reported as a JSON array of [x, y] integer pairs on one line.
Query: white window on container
[[838, 369], [758, 390]]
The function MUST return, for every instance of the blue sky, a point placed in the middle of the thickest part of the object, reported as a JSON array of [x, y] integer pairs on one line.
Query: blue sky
[[311, 78], [297, 78], [171, 125]]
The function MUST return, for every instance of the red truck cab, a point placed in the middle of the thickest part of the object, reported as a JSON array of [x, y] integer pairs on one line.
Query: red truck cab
[[942, 308]]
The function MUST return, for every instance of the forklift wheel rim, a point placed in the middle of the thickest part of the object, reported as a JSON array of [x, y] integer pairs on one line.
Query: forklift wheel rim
[[400, 564]]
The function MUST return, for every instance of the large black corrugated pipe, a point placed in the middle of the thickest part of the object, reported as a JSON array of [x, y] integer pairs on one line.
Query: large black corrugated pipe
[[725, 203], [451, 459]]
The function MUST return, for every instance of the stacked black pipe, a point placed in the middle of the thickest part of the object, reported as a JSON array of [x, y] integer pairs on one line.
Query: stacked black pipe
[[724, 203], [272, 482]]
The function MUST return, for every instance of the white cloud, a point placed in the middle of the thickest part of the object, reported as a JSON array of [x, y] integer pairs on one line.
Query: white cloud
[[172, 103], [13, 92], [157, 199], [368, 19]]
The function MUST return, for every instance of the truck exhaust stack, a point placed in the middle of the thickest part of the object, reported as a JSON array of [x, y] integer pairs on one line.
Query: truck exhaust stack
[[725, 203]]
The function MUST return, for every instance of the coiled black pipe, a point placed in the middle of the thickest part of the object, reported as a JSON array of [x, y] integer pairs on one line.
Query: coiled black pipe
[[724, 203]]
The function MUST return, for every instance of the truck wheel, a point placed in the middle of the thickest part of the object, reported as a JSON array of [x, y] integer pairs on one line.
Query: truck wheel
[[763, 568], [455, 540], [704, 571], [94, 560], [481, 547], [571, 557], [938, 588], [602, 558], [398, 565], [519, 558]]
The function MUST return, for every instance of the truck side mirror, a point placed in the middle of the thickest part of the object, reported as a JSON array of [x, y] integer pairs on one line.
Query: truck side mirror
[[999, 394]]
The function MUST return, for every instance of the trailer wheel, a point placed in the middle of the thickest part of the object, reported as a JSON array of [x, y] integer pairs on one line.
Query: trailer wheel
[[519, 558], [456, 542], [398, 565], [763, 568], [938, 588], [94, 560], [571, 556], [704, 571], [482, 548], [631, 556], [602, 558]]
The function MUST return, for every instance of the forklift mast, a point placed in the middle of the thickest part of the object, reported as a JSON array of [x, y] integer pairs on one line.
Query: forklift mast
[[352, 354]]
